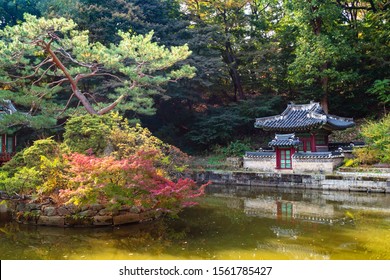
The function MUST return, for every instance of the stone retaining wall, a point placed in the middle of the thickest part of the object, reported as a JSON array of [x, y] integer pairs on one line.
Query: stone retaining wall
[[299, 164], [283, 180], [326, 165], [266, 164], [72, 216]]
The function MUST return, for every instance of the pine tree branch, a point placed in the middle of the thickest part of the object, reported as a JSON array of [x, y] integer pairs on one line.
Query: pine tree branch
[[87, 105], [67, 105], [110, 107], [43, 74], [115, 103], [83, 76], [111, 75], [58, 83], [37, 67], [67, 55]]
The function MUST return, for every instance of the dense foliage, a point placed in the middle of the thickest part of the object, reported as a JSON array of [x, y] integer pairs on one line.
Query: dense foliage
[[377, 137], [335, 52], [143, 175], [46, 65]]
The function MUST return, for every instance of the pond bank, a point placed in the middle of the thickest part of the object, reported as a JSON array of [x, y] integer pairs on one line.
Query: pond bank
[[342, 181], [47, 214]]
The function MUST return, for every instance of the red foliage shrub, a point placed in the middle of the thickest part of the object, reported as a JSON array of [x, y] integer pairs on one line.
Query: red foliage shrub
[[133, 181]]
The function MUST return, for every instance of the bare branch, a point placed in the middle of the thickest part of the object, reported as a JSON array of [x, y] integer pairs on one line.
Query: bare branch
[[92, 97], [67, 55], [115, 103], [46, 60], [83, 76], [43, 74], [67, 105], [37, 67], [112, 105], [58, 83], [110, 75]]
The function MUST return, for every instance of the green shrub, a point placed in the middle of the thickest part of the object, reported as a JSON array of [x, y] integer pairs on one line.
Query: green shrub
[[12, 166], [377, 138], [136, 172], [24, 181], [44, 147], [88, 133], [234, 149], [366, 155]]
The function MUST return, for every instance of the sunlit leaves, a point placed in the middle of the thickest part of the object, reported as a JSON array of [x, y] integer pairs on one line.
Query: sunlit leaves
[[381, 88], [377, 137], [49, 53], [322, 47]]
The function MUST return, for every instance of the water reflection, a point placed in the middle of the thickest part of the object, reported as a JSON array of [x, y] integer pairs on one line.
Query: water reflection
[[294, 205], [229, 223], [30, 242]]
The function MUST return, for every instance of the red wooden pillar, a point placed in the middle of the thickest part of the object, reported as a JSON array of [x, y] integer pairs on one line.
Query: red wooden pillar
[[313, 142]]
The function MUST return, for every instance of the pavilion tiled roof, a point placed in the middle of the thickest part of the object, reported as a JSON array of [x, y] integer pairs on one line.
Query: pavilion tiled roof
[[267, 154], [6, 107], [301, 118], [284, 140]]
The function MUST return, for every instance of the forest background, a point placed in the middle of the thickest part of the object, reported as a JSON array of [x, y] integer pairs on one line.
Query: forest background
[[251, 57]]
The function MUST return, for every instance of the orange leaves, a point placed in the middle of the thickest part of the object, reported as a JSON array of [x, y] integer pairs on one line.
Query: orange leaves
[[133, 181]]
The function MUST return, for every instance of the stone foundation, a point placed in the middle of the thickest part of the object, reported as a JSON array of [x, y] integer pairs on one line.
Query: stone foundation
[[266, 164], [337, 182], [316, 165], [72, 216], [301, 162]]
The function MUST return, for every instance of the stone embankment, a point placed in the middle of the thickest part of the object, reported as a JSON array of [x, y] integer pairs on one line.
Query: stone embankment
[[342, 181], [71, 216]]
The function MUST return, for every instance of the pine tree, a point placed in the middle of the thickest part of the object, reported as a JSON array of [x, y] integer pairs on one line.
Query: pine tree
[[50, 67]]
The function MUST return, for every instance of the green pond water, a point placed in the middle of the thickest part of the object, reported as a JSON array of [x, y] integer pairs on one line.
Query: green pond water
[[234, 223]]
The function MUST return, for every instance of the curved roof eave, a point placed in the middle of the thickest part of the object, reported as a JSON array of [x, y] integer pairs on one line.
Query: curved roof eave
[[303, 117], [339, 124]]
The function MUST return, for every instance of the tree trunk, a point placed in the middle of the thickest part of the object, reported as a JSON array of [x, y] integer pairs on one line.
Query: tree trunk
[[74, 85], [324, 103], [325, 90], [232, 63], [87, 105]]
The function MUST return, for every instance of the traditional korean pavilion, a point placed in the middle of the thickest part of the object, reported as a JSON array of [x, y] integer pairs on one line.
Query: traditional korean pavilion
[[7, 141], [301, 140]]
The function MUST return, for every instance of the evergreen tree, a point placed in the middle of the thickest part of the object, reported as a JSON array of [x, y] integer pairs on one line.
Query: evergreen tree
[[12, 11], [47, 65]]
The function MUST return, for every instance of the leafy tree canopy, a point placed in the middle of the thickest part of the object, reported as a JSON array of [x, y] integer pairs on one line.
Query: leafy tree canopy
[[51, 68]]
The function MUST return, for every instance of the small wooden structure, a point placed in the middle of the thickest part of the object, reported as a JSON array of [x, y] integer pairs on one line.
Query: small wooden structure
[[301, 141]]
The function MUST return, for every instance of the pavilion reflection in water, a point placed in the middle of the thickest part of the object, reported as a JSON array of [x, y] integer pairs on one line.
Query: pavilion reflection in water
[[303, 209], [291, 211]]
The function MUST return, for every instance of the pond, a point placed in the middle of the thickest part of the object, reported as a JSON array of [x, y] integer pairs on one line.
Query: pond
[[229, 223]]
